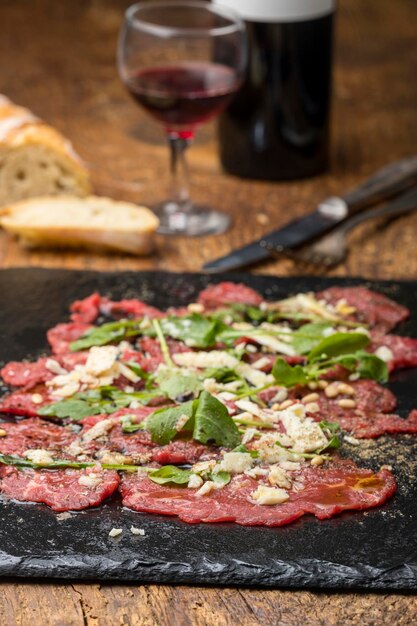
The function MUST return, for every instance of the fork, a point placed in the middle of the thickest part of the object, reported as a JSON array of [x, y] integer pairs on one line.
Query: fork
[[332, 249]]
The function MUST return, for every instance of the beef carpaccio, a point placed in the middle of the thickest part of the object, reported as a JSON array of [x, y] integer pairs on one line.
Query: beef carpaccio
[[232, 409]]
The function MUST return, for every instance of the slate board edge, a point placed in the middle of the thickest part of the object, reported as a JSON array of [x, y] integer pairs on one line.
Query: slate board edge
[[302, 574]]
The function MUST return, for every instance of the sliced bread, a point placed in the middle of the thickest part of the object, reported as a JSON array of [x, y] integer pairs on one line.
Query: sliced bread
[[92, 222], [35, 159]]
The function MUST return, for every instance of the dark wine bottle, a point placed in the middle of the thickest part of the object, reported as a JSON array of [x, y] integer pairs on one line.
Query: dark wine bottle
[[277, 125]]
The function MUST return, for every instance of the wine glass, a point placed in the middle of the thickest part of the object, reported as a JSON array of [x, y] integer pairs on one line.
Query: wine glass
[[182, 61]]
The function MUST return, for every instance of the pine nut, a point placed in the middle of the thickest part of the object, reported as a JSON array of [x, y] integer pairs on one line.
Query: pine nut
[[195, 307], [347, 403], [323, 384], [317, 460], [311, 397], [332, 390], [348, 390], [37, 398], [312, 407], [313, 386], [285, 405], [3, 432]]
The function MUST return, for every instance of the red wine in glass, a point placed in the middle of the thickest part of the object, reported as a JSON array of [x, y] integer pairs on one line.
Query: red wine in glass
[[182, 61], [184, 96]]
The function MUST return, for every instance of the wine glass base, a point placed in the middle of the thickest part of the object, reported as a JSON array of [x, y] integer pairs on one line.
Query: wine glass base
[[195, 222]]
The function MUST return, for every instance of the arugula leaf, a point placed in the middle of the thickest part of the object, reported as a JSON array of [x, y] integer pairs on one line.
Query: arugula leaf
[[175, 384], [305, 338], [333, 443], [195, 330], [336, 345], [371, 366], [74, 409], [209, 422], [111, 332], [17, 461], [162, 424], [365, 364], [212, 423], [130, 427], [221, 374], [332, 427], [138, 370], [163, 343], [103, 400], [242, 448], [289, 375], [170, 474], [221, 478]]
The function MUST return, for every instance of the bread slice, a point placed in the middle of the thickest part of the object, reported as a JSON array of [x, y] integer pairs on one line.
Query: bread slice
[[92, 222], [35, 159]]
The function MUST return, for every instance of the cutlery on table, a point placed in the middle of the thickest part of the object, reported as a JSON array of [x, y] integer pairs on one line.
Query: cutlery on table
[[331, 249], [389, 181]]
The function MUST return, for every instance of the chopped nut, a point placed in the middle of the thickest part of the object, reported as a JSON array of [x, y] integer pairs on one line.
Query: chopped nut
[[137, 531], [311, 397], [3, 433], [284, 405], [115, 532], [195, 307], [352, 440], [37, 398], [347, 403], [54, 367], [317, 460], [312, 407]]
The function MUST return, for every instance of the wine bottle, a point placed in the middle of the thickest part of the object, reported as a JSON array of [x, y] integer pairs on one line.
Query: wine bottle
[[277, 125]]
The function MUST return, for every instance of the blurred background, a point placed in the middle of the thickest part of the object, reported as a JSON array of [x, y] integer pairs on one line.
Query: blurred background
[[58, 59]]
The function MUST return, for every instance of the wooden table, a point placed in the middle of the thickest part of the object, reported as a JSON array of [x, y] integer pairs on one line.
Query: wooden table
[[58, 59]]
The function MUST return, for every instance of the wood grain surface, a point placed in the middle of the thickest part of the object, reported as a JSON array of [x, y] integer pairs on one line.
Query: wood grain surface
[[58, 58]]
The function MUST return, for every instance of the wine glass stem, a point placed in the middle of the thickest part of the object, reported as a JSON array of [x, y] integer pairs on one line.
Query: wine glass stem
[[179, 197]]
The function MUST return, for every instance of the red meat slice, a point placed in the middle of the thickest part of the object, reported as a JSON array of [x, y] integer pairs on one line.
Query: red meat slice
[[21, 402], [59, 489], [370, 417], [34, 433], [139, 443], [369, 396], [326, 492], [25, 374], [61, 336], [150, 355], [128, 308], [404, 350], [370, 425], [215, 296], [86, 311], [372, 308]]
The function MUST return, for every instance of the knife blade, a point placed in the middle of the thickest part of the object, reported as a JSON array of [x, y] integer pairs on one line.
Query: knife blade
[[290, 236], [387, 182]]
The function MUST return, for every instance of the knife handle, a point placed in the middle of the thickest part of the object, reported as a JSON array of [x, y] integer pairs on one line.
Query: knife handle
[[388, 181]]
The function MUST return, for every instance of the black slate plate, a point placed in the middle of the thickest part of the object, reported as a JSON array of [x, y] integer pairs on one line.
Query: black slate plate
[[372, 550]]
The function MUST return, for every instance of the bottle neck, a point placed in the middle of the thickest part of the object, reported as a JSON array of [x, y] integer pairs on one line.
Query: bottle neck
[[279, 10]]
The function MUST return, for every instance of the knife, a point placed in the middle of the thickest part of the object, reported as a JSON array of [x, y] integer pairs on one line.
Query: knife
[[387, 182]]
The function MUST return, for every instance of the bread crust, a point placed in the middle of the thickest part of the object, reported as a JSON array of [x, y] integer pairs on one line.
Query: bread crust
[[93, 222], [20, 129]]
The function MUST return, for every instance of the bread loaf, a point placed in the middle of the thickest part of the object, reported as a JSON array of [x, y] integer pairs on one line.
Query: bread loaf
[[35, 159], [92, 222]]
